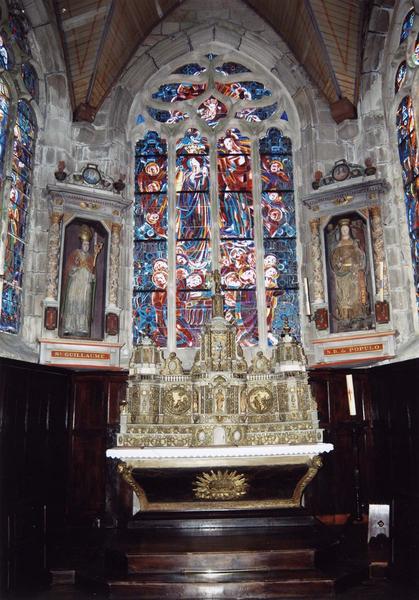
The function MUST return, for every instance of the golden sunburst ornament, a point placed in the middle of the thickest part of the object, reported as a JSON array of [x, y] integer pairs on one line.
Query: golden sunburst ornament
[[220, 485]]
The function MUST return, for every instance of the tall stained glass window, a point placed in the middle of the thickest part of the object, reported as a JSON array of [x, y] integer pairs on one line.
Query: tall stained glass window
[[237, 248], [407, 24], [18, 207], [17, 147], [408, 148], [226, 207], [150, 239], [279, 232], [193, 237]]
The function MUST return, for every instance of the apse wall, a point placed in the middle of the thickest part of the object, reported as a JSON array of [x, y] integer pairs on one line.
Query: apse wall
[[318, 141]]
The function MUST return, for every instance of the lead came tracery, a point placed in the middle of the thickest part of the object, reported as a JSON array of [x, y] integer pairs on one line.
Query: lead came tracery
[[227, 203]]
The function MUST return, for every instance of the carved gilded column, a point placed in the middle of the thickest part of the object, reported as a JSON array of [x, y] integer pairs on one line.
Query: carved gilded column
[[114, 264], [53, 254], [380, 267], [317, 285]]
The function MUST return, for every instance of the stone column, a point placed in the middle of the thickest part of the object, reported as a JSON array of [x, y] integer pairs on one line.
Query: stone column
[[316, 260], [53, 255], [114, 264], [378, 251]]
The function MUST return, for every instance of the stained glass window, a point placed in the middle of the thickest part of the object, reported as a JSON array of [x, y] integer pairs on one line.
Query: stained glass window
[[175, 209], [407, 25], [4, 120], [193, 234], [30, 79], [173, 92], [19, 27], [166, 116], [150, 240], [4, 55], [22, 164], [237, 247], [279, 233], [407, 142], [243, 90], [400, 76]]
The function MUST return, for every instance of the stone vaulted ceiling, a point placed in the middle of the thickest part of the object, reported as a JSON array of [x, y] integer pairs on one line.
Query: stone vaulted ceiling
[[100, 36]]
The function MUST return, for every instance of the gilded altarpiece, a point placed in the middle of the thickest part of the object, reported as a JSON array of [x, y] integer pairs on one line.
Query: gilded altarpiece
[[223, 434], [81, 304]]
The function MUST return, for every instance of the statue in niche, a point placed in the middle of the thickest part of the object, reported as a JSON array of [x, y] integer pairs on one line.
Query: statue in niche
[[80, 286], [348, 285]]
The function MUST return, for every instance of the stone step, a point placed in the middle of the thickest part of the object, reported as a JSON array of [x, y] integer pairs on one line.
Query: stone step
[[302, 558]]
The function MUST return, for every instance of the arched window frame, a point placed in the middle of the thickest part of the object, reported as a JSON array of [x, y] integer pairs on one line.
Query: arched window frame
[[255, 131], [18, 164]]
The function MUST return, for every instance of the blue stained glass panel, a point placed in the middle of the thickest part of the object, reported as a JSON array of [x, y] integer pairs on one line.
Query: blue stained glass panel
[[407, 141], [238, 264], [193, 310], [150, 216], [150, 265], [240, 308], [193, 264], [150, 316], [19, 28], [407, 25], [236, 215], [167, 116], [10, 309], [4, 119], [4, 55], [231, 68], [275, 143], [151, 145], [173, 92], [257, 114], [13, 260], [192, 143], [281, 304], [243, 90], [280, 263], [190, 69], [278, 214], [192, 173], [276, 172], [30, 79], [400, 76], [193, 216], [151, 174]]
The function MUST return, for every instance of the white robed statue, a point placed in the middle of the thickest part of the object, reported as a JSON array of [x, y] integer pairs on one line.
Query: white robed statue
[[79, 286]]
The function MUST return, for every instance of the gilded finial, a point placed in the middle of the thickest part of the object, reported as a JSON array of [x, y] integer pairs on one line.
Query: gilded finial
[[286, 329]]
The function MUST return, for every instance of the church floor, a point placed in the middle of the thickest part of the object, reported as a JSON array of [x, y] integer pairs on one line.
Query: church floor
[[369, 590]]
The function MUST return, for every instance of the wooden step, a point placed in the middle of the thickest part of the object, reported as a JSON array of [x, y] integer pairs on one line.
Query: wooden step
[[282, 584], [221, 561]]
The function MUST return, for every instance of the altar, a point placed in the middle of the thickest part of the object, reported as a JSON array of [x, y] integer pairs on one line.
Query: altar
[[223, 435]]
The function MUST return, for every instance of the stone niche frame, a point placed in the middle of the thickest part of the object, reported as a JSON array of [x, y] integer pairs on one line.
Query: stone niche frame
[[364, 199], [104, 210]]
